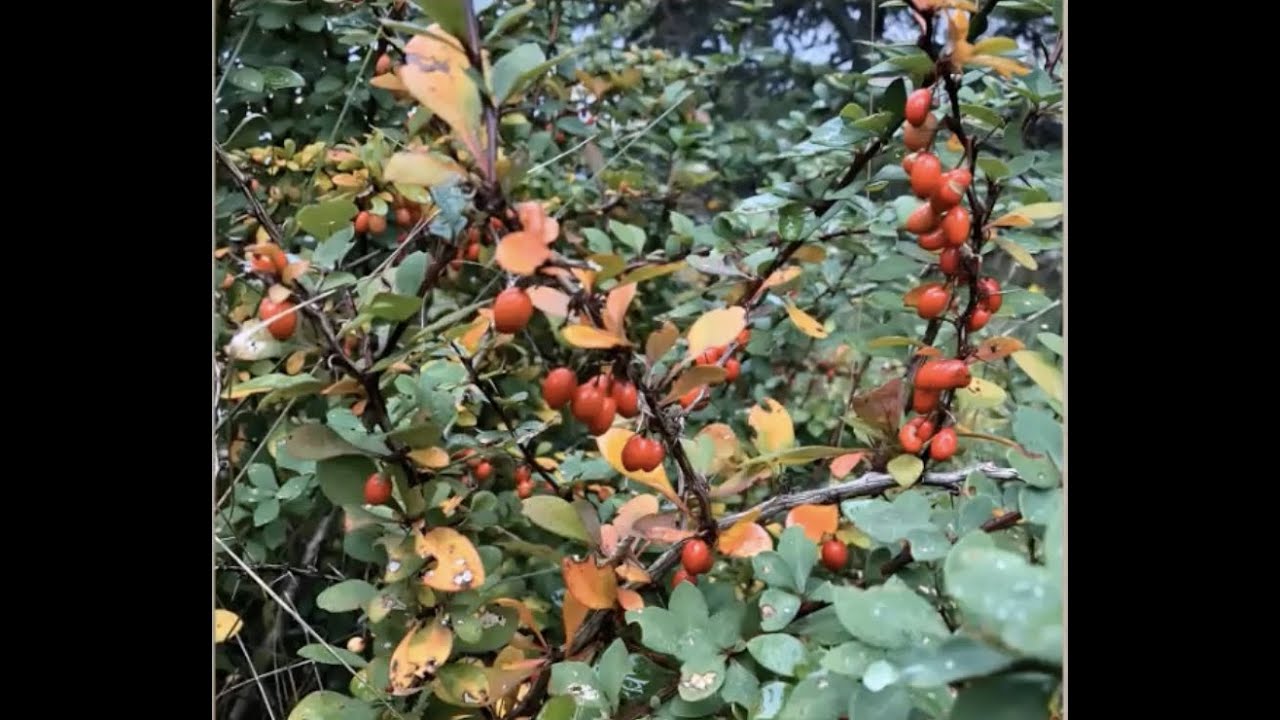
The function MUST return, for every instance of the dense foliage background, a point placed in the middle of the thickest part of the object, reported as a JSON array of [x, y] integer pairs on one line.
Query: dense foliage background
[[657, 175]]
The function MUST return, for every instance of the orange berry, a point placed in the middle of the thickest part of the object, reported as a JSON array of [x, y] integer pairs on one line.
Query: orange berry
[[695, 556], [524, 489], [744, 337], [951, 190], [922, 220], [686, 400], [919, 138], [944, 445], [989, 294], [682, 575], [482, 471], [627, 399], [918, 104], [732, 368], [979, 319], [635, 453], [909, 439], [933, 301], [935, 240], [909, 162], [926, 175], [523, 474], [949, 262], [955, 225], [377, 224], [834, 555], [587, 402], [558, 387], [943, 374], [512, 310], [924, 401], [377, 490], [603, 419], [362, 222], [281, 328]]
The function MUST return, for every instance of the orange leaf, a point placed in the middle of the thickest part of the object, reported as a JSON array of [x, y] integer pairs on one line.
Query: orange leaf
[[780, 277], [535, 221], [817, 520], [293, 365], [661, 529], [695, 377], [660, 341], [458, 565], [294, 271], [997, 348], [610, 445], [630, 599], [810, 253], [842, 465], [345, 386], [806, 323], [586, 278], [716, 328], [1013, 220], [358, 408], [615, 308], [574, 613], [521, 253], [631, 511], [929, 351], [594, 586], [470, 339], [745, 538], [549, 300], [388, 81], [592, 338], [432, 458], [421, 652], [631, 572], [435, 73], [882, 406]]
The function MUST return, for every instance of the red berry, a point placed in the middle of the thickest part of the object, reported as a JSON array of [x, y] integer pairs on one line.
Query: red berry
[[932, 240], [682, 575], [523, 474], [924, 401], [710, 356], [512, 310], [978, 319], [919, 138], [482, 471], [653, 455], [918, 104], [282, 327], [926, 175], [603, 383], [377, 490], [908, 438], [377, 224], [834, 555], [944, 444], [955, 225], [949, 262], [908, 162], [922, 220], [686, 400], [524, 489], [627, 399], [558, 387], [404, 218], [635, 453], [933, 301], [989, 294], [383, 65], [744, 337], [732, 368], [600, 423], [943, 374], [951, 190], [695, 556], [362, 222], [587, 402], [924, 429]]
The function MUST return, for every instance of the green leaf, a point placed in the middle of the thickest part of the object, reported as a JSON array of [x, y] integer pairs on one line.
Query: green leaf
[[331, 251], [328, 655], [956, 658], [679, 631], [262, 476], [346, 596], [278, 78], [451, 14], [820, 696], [800, 554], [889, 616], [578, 681], [1037, 505], [329, 705], [279, 384], [349, 427], [513, 68], [891, 703], [561, 707], [410, 273], [894, 267], [1051, 341], [324, 219], [740, 686], [293, 488], [314, 441], [1039, 472], [393, 307], [906, 469], [611, 671], [507, 21], [1038, 431], [777, 609], [777, 652], [629, 235], [495, 627], [555, 515], [701, 677], [266, 511], [1013, 697], [928, 543], [993, 168], [1000, 592], [888, 522], [1053, 539], [342, 479], [851, 658], [247, 78]]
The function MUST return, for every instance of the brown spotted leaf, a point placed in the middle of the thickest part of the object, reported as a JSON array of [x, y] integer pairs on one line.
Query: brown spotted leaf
[[457, 564], [594, 586]]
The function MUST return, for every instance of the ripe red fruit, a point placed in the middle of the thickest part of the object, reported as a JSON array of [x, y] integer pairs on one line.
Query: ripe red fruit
[[922, 220], [682, 575], [834, 555], [710, 356], [924, 401], [558, 387], [603, 383], [404, 218], [933, 301], [944, 445], [482, 471], [919, 138], [524, 489], [924, 428], [943, 374], [512, 310], [955, 225], [744, 337], [949, 262], [686, 400], [377, 490], [978, 319], [587, 402], [951, 190], [909, 162], [918, 104], [655, 452], [473, 252], [603, 419], [695, 556], [989, 294], [362, 222], [383, 65], [635, 454], [282, 327], [523, 474], [926, 175], [627, 399], [907, 437], [932, 240], [377, 224], [732, 368]]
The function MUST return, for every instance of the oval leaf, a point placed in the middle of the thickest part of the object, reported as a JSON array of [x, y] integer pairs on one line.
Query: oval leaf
[[1044, 373], [695, 377], [774, 430], [806, 323], [458, 566], [226, 625], [906, 469], [555, 515], [817, 521], [594, 586], [590, 338], [715, 329]]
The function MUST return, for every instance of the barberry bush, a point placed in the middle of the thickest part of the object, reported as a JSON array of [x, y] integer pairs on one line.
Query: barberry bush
[[565, 374]]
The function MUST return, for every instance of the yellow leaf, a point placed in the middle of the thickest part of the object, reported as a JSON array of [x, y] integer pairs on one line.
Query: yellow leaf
[[1044, 373], [610, 446], [954, 144], [470, 339], [435, 73], [525, 614], [522, 253], [226, 625], [345, 386], [995, 45], [853, 536], [1006, 67], [716, 328], [432, 458], [774, 430], [906, 469], [660, 341], [810, 253], [421, 652], [891, 341], [632, 572], [594, 586], [981, 394], [294, 271], [347, 180], [1041, 211], [615, 308], [1018, 253], [649, 272], [694, 377], [781, 277], [816, 520], [278, 293], [458, 565], [419, 168], [806, 323], [744, 539], [1013, 220], [591, 338], [389, 81], [549, 300], [293, 365]]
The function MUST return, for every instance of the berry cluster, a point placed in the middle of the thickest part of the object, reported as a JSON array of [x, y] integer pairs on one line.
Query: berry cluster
[[711, 356], [595, 402]]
